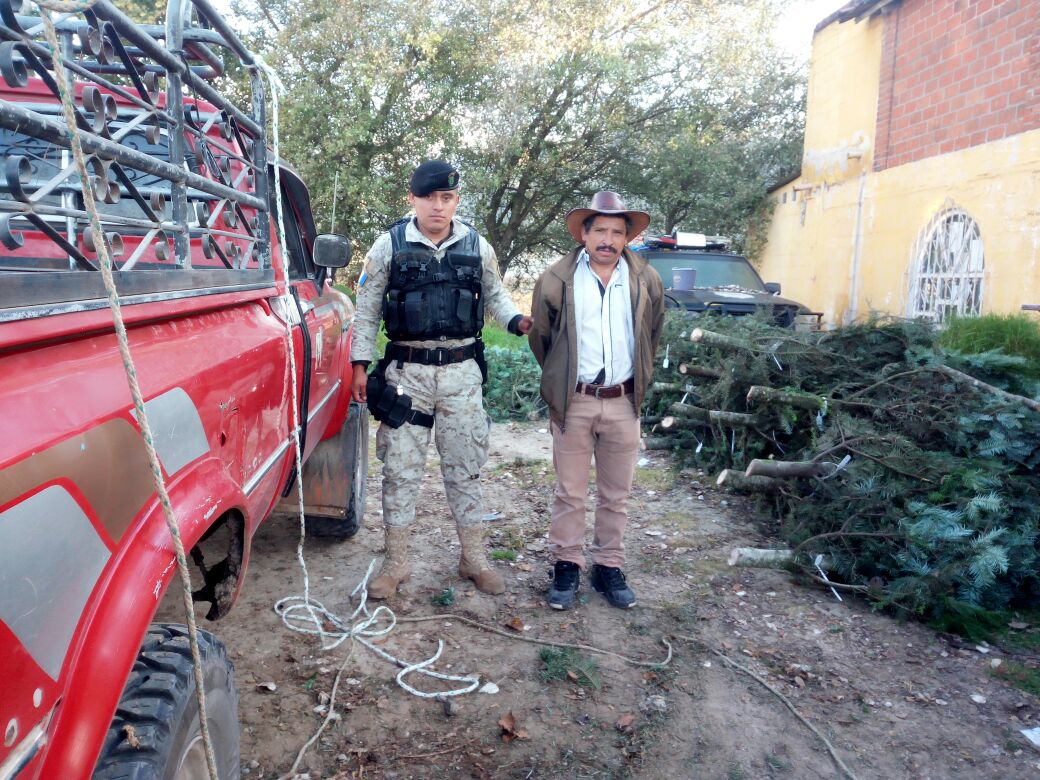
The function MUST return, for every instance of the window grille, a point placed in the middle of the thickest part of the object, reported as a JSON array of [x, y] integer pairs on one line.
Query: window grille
[[949, 265]]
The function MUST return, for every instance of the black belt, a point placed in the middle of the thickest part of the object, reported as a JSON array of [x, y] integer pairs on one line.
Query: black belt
[[434, 356], [606, 391]]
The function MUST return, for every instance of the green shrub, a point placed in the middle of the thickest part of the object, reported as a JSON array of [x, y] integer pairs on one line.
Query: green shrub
[[1013, 334], [566, 664], [512, 390], [444, 599]]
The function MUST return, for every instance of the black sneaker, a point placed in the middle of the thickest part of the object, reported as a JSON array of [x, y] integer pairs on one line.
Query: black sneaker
[[610, 581], [564, 590]]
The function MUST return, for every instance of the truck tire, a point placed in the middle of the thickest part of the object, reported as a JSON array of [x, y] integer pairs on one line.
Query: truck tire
[[155, 734], [342, 528]]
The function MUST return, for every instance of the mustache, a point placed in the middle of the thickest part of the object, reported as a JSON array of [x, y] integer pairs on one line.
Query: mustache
[[606, 248]]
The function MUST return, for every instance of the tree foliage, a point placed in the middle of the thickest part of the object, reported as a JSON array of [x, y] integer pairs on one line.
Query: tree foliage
[[924, 492], [540, 103]]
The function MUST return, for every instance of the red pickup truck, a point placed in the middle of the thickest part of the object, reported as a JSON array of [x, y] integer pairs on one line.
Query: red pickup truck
[[89, 687]]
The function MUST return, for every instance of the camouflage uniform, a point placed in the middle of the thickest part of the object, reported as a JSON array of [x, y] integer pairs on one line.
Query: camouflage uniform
[[452, 393]]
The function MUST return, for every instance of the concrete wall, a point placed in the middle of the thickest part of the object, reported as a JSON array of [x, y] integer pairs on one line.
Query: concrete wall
[[844, 236]]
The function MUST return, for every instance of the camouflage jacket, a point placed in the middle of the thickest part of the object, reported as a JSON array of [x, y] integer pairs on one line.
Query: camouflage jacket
[[372, 287]]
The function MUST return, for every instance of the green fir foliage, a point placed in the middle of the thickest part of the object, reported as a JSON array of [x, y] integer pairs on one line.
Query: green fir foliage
[[935, 514], [512, 390]]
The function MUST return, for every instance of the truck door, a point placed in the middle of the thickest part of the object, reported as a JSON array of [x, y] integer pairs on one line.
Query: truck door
[[324, 317]]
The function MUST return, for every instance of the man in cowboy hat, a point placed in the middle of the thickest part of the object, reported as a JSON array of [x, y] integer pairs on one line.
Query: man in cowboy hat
[[597, 314]]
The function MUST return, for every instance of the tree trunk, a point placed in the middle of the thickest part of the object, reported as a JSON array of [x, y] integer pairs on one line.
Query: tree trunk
[[692, 369], [978, 384], [769, 395], [783, 469], [712, 339], [751, 556], [689, 416], [773, 559], [737, 480], [689, 411], [658, 443], [672, 423]]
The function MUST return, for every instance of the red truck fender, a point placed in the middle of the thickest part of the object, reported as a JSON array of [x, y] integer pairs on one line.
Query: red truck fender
[[127, 595]]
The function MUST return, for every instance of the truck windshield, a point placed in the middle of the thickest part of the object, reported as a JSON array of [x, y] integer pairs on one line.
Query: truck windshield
[[712, 270]]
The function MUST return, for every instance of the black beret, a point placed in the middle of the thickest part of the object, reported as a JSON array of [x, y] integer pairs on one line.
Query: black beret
[[431, 176]]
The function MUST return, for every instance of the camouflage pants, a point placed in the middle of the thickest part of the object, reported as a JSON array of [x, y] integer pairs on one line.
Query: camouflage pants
[[452, 393]]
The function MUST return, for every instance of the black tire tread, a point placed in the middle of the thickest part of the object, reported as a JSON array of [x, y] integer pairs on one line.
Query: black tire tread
[[161, 679]]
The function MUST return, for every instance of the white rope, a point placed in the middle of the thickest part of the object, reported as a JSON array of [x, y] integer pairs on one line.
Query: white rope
[[302, 614], [65, 89], [363, 625]]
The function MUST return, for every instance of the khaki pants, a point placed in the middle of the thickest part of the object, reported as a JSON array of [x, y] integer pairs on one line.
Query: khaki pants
[[453, 394], [607, 429]]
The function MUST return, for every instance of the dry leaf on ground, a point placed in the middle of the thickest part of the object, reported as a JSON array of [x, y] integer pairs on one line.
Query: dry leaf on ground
[[511, 728]]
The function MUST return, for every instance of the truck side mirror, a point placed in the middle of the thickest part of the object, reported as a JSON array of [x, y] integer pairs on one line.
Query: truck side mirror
[[332, 250], [773, 288]]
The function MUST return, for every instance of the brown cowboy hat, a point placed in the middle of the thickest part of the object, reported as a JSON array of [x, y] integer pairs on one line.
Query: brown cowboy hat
[[609, 203]]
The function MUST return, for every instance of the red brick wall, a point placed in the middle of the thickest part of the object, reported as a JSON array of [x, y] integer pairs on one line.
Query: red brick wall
[[954, 74]]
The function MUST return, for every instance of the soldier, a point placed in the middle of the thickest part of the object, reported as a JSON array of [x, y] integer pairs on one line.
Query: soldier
[[430, 278]]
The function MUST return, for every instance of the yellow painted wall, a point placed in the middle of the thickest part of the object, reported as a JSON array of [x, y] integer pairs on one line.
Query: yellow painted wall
[[842, 236]]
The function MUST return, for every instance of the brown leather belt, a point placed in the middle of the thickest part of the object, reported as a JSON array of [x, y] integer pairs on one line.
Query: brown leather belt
[[606, 391]]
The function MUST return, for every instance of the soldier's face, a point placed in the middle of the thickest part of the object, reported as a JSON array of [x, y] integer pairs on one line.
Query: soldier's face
[[435, 211], [605, 239]]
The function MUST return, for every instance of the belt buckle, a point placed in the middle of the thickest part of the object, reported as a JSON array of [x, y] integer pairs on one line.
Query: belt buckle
[[598, 388], [442, 355]]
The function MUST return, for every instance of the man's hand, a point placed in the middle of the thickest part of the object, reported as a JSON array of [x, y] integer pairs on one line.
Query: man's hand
[[524, 325], [359, 384]]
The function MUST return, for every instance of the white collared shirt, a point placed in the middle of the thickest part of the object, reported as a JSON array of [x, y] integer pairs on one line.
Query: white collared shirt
[[606, 341]]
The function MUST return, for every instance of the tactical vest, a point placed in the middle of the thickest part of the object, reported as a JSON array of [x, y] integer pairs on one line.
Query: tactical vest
[[427, 298]]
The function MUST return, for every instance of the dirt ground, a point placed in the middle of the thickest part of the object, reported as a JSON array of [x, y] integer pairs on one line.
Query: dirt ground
[[895, 700]]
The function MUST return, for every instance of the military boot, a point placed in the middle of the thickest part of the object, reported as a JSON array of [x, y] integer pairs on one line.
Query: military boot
[[474, 564], [395, 569]]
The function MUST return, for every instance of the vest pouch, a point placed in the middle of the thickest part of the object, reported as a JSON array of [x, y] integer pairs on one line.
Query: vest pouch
[[391, 309], [464, 268], [398, 412], [464, 301], [410, 267], [416, 313], [380, 395]]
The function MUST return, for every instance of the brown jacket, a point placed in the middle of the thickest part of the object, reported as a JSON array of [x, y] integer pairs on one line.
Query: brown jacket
[[553, 336]]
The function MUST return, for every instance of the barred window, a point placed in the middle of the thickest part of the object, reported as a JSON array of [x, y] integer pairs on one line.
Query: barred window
[[947, 277]]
